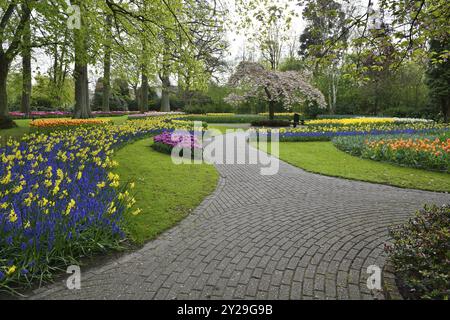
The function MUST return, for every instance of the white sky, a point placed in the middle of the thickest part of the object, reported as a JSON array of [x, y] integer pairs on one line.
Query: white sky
[[240, 40]]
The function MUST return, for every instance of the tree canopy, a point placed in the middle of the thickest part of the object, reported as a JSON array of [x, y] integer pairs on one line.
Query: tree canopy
[[288, 87]]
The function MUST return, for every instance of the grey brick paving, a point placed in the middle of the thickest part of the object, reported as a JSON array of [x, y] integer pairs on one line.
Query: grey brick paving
[[295, 235]]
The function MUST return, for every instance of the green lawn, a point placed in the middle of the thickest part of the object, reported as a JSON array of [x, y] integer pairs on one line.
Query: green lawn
[[324, 158], [165, 192], [23, 127]]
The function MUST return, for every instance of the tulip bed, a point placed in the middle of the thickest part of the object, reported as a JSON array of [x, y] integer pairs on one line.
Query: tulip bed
[[430, 152], [66, 122], [60, 200], [167, 141], [62, 114]]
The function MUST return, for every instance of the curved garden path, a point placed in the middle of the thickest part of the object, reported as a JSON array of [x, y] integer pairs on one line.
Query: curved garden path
[[294, 235]]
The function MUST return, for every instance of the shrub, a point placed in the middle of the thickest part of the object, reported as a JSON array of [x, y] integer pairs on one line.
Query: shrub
[[271, 123], [420, 254], [195, 110], [7, 123]]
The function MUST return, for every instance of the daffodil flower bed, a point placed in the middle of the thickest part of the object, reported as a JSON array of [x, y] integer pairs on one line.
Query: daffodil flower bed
[[328, 132], [430, 152], [363, 121], [60, 200]]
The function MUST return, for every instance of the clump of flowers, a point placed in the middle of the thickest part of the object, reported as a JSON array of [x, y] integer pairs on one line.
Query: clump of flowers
[[167, 141]]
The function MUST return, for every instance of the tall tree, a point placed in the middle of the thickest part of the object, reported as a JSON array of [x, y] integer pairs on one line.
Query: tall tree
[[13, 21], [326, 21], [289, 88], [107, 63], [272, 46], [82, 105], [26, 70], [439, 77]]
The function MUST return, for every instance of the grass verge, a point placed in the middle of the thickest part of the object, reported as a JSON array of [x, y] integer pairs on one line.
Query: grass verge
[[324, 158], [165, 192]]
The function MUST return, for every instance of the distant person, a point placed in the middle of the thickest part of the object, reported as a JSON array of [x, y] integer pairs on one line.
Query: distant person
[[296, 120]]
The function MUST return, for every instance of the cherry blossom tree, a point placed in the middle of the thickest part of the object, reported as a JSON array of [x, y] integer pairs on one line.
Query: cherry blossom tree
[[290, 87]]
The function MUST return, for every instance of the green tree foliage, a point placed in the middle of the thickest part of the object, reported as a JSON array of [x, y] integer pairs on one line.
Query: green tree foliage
[[439, 77], [47, 96]]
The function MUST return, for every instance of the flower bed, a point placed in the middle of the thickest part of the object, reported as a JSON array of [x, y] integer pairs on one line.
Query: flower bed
[[60, 114], [281, 114], [363, 121], [420, 254], [229, 118], [429, 152], [59, 199], [153, 114], [326, 132], [66, 122], [168, 140], [40, 114]]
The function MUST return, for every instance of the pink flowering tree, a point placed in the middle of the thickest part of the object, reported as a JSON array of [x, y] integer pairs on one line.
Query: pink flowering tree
[[290, 88]]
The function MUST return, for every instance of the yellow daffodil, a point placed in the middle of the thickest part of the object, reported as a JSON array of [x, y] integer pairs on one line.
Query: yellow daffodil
[[12, 216], [11, 270]]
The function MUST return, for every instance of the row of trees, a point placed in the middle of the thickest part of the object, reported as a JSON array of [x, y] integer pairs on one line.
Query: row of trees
[[366, 56], [140, 40]]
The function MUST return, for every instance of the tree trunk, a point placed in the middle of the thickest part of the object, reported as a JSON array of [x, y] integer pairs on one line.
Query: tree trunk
[[271, 110], [106, 81], [271, 104], [165, 94], [445, 105], [107, 67], [4, 69], [144, 92], [136, 95], [26, 71], [82, 105], [82, 110]]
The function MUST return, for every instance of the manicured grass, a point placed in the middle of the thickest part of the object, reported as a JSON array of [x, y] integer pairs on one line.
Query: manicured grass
[[324, 158], [23, 127], [165, 192]]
